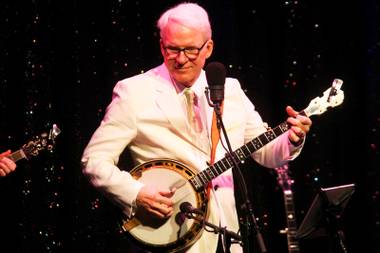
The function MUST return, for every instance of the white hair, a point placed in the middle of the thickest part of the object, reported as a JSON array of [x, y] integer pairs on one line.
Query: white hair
[[188, 14]]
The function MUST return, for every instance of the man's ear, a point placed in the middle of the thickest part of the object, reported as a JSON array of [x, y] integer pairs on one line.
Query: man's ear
[[162, 47], [209, 48]]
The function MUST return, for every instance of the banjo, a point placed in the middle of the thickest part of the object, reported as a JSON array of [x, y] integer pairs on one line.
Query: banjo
[[177, 233]]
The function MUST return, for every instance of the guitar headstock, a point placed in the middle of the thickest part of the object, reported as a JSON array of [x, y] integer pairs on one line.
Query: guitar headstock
[[44, 141], [332, 97], [283, 178]]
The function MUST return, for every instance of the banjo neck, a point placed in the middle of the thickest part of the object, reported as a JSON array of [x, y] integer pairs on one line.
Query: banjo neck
[[332, 97], [200, 180]]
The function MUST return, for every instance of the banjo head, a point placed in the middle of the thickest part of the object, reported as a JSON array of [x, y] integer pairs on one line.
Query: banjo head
[[176, 232]]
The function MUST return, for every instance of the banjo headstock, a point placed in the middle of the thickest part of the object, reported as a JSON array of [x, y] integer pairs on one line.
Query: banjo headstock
[[332, 97]]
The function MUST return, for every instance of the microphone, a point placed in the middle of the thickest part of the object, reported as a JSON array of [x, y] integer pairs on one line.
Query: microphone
[[216, 77], [186, 207]]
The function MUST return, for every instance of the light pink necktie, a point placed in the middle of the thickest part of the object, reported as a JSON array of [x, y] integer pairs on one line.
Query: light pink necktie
[[193, 111]]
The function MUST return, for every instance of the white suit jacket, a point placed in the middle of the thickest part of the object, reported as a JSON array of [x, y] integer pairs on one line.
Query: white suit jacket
[[146, 115]]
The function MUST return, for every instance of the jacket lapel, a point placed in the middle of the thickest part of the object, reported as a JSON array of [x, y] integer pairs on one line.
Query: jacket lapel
[[167, 100]]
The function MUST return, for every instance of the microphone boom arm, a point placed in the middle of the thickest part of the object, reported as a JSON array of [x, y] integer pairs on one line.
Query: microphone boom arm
[[216, 229]]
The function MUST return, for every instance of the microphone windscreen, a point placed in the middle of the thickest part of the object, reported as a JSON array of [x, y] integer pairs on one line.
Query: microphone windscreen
[[215, 74], [185, 207]]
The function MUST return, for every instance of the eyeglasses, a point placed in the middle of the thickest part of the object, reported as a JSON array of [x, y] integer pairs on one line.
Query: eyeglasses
[[190, 52]]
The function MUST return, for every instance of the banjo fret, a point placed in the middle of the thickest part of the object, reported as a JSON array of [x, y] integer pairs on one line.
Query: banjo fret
[[266, 137], [214, 168], [282, 128], [217, 169], [229, 160], [208, 175], [247, 151], [240, 155], [196, 184], [204, 177], [222, 166], [255, 144], [210, 171]]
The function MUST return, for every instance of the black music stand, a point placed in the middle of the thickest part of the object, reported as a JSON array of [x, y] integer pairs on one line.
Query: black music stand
[[324, 215]]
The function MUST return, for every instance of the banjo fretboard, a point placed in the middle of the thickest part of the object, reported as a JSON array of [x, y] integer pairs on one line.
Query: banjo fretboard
[[241, 154]]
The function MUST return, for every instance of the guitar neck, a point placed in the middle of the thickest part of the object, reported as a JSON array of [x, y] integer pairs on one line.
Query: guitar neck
[[33, 147], [293, 245], [17, 155], [200, 180]]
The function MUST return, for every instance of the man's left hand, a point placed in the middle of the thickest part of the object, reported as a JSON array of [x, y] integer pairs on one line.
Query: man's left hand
[[299, 126]]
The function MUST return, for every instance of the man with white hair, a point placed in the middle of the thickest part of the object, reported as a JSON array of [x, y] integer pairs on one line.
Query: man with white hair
[[148, 115]]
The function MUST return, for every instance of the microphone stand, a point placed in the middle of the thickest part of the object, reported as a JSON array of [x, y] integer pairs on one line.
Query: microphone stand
[[229, 237], [249, 216]]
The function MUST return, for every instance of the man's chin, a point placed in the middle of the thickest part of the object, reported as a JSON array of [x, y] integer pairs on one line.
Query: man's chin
[[183, 79]]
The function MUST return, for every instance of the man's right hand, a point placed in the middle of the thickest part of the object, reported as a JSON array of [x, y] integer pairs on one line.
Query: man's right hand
[[155, 201]]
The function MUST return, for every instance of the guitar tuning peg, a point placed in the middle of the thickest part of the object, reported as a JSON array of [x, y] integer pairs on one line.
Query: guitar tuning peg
[[55, 131], [337, 83]]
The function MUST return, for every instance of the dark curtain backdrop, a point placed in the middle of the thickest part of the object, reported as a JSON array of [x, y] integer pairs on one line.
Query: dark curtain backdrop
[[59, 61]]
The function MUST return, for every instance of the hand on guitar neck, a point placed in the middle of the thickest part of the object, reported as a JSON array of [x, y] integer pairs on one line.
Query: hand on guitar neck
[[45, 140], [6, 164]]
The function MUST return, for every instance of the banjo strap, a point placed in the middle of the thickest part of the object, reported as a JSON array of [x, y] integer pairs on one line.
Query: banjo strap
[[215, 135]]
